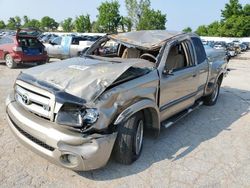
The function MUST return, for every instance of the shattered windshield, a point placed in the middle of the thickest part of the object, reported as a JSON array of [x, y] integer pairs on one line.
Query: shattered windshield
[[107, 47]]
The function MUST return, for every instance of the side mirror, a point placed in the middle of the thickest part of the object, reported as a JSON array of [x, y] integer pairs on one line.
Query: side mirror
[[168, 72]]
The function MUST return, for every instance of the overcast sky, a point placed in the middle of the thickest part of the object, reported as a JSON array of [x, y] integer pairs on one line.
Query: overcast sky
[[180, 13]]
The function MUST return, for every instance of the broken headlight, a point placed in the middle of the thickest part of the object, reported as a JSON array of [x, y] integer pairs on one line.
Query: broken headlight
[[77, 118]]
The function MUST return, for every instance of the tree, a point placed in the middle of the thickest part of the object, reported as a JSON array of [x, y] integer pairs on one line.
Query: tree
[[187, 30], [246, 10], [231, 8], [201, 30], [83, 24], [152, 20], [109, 17], [14, 23], [48, 23], [2, 24], [67, 25], [236, 26], [33, 24], [25, 20], [135, 10], [126, 24], [213, 29]]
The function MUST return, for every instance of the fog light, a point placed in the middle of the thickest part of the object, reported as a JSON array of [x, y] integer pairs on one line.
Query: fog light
[[69, 160], [72, 159]]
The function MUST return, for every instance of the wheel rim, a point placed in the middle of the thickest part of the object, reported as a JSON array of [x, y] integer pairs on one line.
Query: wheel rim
[[8, 60], [215, 93], [139, 137]]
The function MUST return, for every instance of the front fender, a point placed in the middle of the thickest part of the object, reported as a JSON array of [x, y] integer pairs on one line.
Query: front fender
[[138, 106]]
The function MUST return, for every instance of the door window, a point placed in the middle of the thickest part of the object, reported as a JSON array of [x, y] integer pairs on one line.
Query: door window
[[57, 41], [179, 57], [200, 51]]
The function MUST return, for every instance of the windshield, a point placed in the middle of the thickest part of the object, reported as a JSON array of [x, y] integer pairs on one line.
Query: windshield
[[106, 47]]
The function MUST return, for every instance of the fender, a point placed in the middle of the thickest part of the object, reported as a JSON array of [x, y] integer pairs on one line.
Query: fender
[[138, 106]]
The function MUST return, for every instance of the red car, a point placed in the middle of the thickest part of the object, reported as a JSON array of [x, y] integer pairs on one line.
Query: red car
[[23, 47]]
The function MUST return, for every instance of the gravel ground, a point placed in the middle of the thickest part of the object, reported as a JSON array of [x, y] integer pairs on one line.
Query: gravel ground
[[208, 148]]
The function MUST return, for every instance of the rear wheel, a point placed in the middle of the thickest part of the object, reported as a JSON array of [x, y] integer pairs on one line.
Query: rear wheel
[[129, 140], [41, 63], [212, 98], [10, 62]]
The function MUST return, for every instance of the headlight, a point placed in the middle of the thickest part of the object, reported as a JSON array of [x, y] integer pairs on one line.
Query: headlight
[[77, 117], [91, 115]]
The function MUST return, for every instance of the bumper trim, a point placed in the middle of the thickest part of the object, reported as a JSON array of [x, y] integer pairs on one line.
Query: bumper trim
[[27, 135]]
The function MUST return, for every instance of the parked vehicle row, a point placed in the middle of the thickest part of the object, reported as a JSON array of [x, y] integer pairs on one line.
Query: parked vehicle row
[[232, 49]]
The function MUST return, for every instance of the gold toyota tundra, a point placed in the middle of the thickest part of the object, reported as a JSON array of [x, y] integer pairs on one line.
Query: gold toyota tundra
[[76, 112]]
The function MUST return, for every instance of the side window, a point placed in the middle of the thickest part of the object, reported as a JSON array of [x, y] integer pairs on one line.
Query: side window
[[179, 57], [1, 41], [4, 41], [75, 41], [200, 52], [57, 40]]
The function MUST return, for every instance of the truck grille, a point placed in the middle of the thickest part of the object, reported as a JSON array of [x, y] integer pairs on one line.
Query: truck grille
[[35, 100]]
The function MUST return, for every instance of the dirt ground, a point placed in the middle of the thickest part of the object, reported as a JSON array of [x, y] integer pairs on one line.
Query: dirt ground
[[208, 148]]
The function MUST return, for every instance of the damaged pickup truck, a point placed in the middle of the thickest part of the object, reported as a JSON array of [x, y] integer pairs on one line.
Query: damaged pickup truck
[[76, 112]]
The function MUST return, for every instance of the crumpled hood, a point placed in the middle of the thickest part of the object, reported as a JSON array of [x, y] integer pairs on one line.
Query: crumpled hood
[[84, 77]]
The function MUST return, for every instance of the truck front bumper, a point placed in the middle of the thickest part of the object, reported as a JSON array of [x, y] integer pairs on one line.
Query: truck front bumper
[[60, 146]]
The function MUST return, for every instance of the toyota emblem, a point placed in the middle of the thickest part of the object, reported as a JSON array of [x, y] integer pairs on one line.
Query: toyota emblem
[[25, 99]]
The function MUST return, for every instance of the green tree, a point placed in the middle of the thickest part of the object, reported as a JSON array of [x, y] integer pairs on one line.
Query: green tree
[[83, 24], [152, 20], [126, 24], [233, 8], [67, 25], [14, 23], [25, 20], [187, 30], [48, 23], [2, 24], [33, 24], [202, 30], [135, 10], [109, 17], [213, 29], [236, 26], [246, 10]]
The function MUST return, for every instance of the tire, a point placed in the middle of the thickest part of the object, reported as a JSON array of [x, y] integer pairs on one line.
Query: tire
[[41, 63], [10, 62], [129, 141], [211, 99]]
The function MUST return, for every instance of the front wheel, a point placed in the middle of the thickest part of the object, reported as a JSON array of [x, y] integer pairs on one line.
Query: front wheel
[[129, 140], [212, 98], [10, 62]]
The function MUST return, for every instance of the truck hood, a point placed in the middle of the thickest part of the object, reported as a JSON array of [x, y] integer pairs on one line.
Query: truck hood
[[83, 77]]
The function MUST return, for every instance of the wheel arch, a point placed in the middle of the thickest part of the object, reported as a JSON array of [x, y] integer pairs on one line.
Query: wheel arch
[[150, 111]]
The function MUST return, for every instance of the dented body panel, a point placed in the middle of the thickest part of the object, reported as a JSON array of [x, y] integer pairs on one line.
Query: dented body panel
[[111, 88]]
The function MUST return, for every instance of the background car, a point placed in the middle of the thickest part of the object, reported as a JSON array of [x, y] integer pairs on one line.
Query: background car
[[22, 47]]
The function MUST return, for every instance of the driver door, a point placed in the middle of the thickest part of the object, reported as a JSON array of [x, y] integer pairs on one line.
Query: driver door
[[179, 80]]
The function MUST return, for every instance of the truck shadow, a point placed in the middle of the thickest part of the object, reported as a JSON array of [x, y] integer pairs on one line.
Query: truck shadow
[[184, 137]]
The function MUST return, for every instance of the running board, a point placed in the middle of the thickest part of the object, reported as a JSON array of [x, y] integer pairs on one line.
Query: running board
[[167, 123]]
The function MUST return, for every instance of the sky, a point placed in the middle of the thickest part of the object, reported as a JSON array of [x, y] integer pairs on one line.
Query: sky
[[180, 13]]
